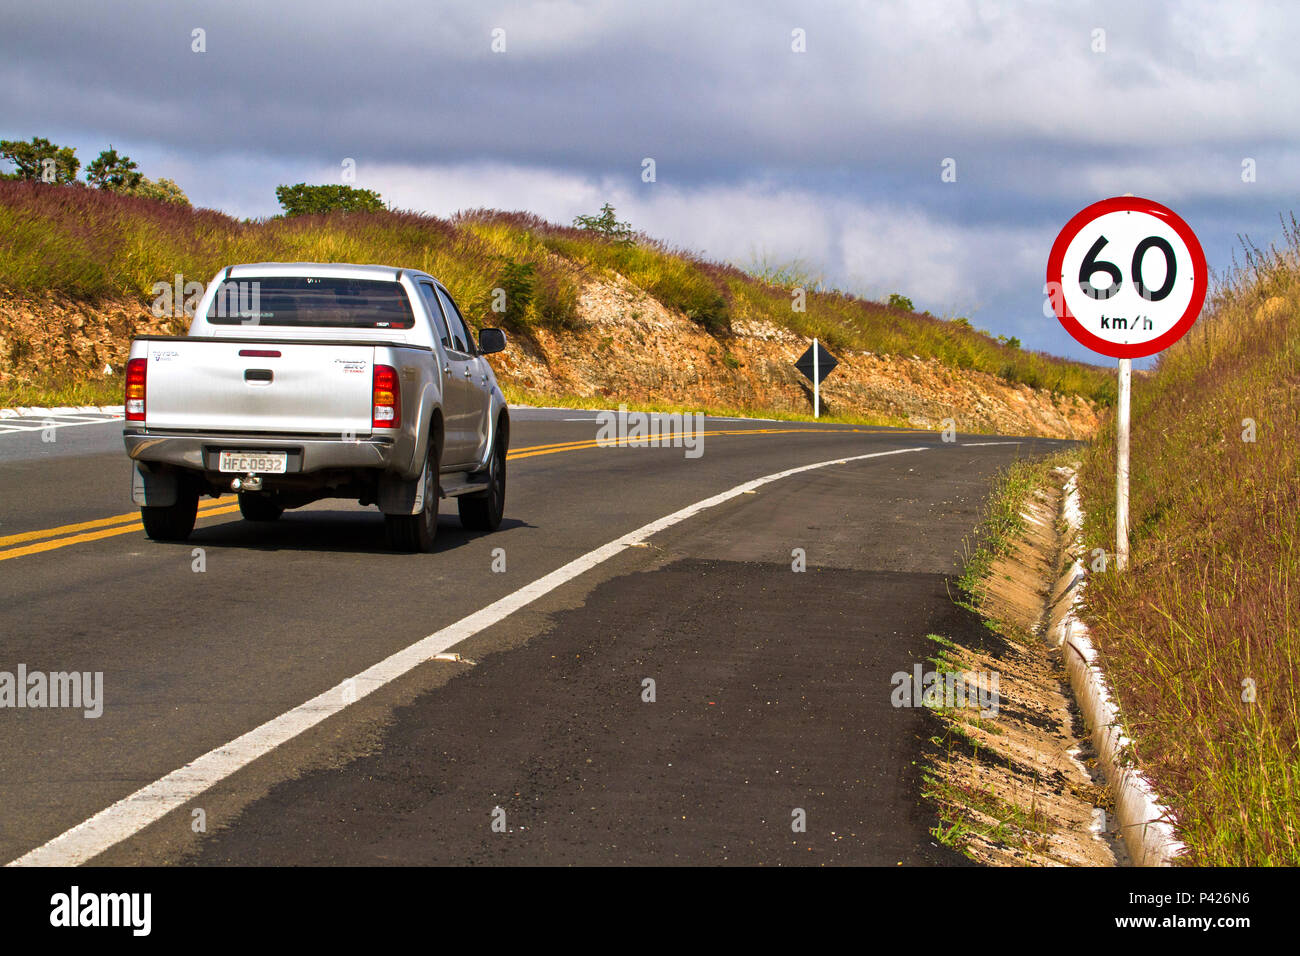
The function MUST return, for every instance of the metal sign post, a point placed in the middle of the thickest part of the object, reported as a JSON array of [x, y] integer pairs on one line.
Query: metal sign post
[[1126, 277], [816, 364], [817, 384], [1123, 404]]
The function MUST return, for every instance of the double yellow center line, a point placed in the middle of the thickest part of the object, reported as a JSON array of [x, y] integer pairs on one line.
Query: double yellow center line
[[50, 538], [47, 539]]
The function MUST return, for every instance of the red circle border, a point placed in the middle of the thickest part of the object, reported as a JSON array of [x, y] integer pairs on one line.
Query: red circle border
[[1200, 282]]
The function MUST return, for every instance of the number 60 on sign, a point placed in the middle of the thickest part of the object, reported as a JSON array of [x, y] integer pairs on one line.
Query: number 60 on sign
[[1126, 277]]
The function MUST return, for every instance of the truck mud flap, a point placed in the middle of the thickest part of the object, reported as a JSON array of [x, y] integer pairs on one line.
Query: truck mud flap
[[157, 489], [400, 496]]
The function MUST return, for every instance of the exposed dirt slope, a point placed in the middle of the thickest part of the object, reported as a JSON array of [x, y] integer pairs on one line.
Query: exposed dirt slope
[[626, 347]]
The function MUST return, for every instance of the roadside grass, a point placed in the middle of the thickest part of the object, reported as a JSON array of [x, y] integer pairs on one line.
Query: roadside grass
[[1208, 613], [1001, 521], [91, 244], [966, 812], [106, 390]]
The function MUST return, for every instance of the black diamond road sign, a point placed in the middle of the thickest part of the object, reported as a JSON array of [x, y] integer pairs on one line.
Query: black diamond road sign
[[825, 362]]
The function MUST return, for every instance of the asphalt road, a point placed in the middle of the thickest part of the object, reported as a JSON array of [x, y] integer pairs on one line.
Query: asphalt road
[[538, 746]]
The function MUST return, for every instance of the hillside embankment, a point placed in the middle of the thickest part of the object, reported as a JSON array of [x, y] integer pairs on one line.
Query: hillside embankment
[[593, 318], [622, 345]]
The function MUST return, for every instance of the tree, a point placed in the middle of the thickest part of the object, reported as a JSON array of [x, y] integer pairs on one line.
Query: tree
[[111, 171], [40, 160], [897, 301], [606, 224], [304, 200]]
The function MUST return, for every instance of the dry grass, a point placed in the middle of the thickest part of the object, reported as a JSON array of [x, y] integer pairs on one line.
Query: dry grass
[[91, 244], [1212, 598]]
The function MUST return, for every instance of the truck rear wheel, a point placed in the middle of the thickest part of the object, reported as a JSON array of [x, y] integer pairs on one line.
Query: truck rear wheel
[[173, 522], [416, 533], [255, 507], [483, 510]]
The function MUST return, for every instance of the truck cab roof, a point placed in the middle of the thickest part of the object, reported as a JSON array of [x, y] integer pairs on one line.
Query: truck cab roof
[[342, 270]]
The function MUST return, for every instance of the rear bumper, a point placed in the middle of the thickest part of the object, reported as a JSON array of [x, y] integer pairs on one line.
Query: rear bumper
[[199, 452]]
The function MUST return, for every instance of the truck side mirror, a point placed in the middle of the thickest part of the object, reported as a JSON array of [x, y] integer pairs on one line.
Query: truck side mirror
[[491, 340]]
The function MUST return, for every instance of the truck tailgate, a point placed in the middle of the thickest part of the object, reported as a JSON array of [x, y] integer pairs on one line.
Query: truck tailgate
[[250, 386]]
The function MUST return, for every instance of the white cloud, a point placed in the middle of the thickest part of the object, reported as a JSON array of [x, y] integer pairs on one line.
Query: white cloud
[[874, 248]]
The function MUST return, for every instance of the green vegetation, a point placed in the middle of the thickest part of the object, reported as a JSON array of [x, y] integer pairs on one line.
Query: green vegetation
[[43, 161], [40, 161], [92, 244], [795, 274], [967, 812], [844, 322], [1201, 635], [111, 171], [58, 392], [1001, 521], [163, 190], [606, 225], [304, 200]]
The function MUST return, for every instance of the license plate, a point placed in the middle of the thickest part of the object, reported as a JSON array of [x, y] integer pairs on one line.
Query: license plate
[[263, 462]]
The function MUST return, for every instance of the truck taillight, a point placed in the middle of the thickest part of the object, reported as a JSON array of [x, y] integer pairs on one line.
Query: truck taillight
[[135, 378], [387, 399]]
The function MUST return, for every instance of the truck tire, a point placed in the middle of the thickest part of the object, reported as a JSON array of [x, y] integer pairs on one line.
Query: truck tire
[[255, 507], [416, 533], [173, 522], [482, 511]]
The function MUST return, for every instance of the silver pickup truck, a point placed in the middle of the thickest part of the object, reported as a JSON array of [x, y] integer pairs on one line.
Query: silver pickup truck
[[302, 381]]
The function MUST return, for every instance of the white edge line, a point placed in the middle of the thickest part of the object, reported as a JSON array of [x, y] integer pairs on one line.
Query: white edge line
[[30, 425], [133, 813], [62, 410]]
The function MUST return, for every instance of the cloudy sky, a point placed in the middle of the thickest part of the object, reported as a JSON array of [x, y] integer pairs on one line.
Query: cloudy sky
[[831, 155]]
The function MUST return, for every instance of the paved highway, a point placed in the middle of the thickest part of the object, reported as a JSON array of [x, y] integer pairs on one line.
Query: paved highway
[[519, 731]]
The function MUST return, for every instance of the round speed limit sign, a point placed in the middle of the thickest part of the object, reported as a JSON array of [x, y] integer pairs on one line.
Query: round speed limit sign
[[1126, 277]]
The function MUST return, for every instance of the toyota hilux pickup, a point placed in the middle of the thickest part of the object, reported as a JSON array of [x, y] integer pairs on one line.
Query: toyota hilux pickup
[[303, 381]]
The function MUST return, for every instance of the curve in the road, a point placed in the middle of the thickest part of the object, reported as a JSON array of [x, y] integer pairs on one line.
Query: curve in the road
[[136, 811]]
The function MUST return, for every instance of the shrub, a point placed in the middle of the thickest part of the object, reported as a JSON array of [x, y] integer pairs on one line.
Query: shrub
[[606, 224], [304, 200], [516, 281], [163, 190]]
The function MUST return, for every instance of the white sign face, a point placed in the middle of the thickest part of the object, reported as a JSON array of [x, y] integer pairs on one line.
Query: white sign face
[[1127, 277]]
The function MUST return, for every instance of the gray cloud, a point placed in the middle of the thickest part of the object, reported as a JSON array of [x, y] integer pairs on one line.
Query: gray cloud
[[832, 154]]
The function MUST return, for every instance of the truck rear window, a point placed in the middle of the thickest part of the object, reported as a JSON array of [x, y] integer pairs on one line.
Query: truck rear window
[[312, 301]]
